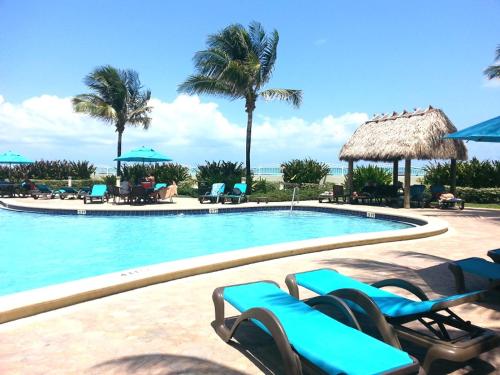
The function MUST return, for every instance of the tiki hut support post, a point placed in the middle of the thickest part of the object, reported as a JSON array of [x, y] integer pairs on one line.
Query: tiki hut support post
[[453, 174], [350, 173], [407, 183], [395, 173]]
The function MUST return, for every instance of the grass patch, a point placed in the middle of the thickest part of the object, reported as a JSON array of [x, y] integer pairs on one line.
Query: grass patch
[[483, 205]]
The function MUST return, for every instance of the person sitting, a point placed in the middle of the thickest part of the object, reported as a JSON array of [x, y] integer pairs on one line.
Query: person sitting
[[168, 192], [27, 184], [149, 182]]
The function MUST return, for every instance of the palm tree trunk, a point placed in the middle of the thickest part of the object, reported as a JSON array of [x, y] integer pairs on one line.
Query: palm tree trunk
[[248, 144], [119, 153]]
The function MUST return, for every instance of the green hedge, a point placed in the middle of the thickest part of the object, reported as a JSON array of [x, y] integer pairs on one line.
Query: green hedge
[[485, 195], [473, 173], [305, 193], [49, 169]]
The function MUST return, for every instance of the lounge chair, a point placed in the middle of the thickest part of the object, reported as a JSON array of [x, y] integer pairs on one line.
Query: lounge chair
[[417, 195], [476, 266], [494, 255], [42, 191], [447, 336], [300, 330], [238, 194], [98, 193], [437, 191], [214, 195], [83, 192], [67, 192]]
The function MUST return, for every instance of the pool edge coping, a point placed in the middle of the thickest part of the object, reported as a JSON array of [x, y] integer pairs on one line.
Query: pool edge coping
[[28, 303]]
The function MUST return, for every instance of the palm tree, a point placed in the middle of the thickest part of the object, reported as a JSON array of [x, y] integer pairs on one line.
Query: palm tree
[[236, 65], [493, 71], [117, 97]]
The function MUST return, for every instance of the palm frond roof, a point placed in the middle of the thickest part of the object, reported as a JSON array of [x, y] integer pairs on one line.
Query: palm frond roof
[[406, 135]]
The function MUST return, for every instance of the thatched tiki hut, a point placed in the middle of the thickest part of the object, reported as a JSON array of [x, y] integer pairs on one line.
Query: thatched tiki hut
[[405, 136]]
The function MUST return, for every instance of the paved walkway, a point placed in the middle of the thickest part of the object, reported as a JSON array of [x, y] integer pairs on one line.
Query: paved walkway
[[165, 328]]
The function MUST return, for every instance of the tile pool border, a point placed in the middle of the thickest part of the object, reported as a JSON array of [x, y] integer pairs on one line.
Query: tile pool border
[[36, 301]]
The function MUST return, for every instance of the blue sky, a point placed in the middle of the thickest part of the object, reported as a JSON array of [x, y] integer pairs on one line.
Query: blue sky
[[351, 58]]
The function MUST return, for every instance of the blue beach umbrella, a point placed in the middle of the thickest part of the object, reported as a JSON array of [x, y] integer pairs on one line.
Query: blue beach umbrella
[[143, 154], [10, 157], [486, 131]]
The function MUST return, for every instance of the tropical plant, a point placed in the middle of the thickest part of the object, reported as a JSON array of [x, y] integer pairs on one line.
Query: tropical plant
[[304, 171], [263, 186], [50, 169], [237, 64], [117, 97], [222, 171], [162, 172], [493, 71], [370, 174], [473, 173]]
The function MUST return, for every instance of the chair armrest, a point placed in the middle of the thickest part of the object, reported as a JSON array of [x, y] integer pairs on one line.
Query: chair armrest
[[403, 284]]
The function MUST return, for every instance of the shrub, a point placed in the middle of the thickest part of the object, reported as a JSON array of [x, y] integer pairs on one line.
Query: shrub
[[485, 195], [264, 186], [304, 193], [222, 171], [46, 169], [473, 173], [304, 171], [162, 172], [370, 174]]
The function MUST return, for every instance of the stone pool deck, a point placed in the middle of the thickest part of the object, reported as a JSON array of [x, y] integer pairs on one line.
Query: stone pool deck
[[165, 328]]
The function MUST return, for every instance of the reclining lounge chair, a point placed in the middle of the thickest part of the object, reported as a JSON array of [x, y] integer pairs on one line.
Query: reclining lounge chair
[[42, 191], [98, 193], [447, 336], [214, 195], [237, 195], [476, 266], [300, 330], [67, 192]]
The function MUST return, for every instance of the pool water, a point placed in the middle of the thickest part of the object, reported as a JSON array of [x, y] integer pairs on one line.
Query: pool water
[[37, 250]]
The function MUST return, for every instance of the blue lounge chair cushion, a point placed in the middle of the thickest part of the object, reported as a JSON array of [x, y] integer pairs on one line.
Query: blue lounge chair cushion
[[329, 344], [160, 185], [217, 189], [324, 281], [98, 190], [481, 267]]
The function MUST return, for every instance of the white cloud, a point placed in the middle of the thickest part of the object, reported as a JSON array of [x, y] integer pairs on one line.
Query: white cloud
[[187, 129]]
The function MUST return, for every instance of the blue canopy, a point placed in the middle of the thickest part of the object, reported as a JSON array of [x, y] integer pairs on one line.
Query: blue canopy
[[143, 154], [10, 157], [486, 131]]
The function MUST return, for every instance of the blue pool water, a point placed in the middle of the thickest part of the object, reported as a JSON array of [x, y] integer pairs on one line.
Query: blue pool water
[[38, 250]]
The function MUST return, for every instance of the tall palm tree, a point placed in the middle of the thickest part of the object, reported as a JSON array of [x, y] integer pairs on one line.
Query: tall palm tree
[[493, 71], [236, 65], [117, 98]]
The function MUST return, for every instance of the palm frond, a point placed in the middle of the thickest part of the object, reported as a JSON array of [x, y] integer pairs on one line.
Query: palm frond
[[269, 57], [493, 71], [94, 107], [258, 39], [199, 84], [211, 62], [293, 97]]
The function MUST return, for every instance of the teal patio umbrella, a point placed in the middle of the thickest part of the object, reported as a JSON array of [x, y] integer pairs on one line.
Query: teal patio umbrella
[[486, 131], [144, 155], [10, 158]]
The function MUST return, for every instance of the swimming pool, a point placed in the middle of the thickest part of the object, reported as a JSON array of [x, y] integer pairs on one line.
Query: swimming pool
[[39, 250]]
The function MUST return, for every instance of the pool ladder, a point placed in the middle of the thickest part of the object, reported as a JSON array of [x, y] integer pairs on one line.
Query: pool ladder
[[295, 197]]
